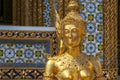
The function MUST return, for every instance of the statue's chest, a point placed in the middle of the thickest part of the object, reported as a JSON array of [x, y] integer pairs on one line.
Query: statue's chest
[[68, 62], [67, 66]]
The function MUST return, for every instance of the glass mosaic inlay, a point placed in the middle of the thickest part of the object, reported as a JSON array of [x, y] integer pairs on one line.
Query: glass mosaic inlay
[[30, 53]]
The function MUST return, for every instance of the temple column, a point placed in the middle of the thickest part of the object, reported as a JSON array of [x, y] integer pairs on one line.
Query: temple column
[[110, 15]]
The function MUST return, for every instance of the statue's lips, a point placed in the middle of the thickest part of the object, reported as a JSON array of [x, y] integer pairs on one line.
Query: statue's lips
[[70, 41]]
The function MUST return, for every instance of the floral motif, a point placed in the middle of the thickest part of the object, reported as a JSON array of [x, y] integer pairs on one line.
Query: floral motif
[[99, 37], [91, 7], [19, 61], [9, 53], [91, 37], [38, 61], [37, 53], [28, 53], [19, 45], [90, 17], [99, 17], [19, 53], [91, 48], [91, 27]]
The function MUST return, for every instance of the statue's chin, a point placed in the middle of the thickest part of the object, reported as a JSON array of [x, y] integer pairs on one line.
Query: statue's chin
[[72, 46]]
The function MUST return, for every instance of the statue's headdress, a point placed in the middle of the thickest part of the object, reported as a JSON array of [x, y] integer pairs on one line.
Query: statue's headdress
[[73, 17]]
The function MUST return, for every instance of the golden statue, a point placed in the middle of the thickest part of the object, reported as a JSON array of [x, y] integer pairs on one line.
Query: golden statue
[[72, 64]]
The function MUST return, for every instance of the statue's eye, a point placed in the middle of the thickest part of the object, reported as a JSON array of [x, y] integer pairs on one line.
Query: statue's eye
[[66, 31], [74, 30]]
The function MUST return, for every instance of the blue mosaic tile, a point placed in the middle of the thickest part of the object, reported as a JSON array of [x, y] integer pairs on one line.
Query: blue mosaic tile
[[9, 53], [91, 48], [99, 37], [93, 15], [91, 7], [28, 53], [99, 1], [46, 13], [99, 17], [91, 27], [24, 52]]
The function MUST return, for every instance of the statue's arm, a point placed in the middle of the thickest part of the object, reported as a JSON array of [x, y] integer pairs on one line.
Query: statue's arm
[[49, 70], [97, 68]]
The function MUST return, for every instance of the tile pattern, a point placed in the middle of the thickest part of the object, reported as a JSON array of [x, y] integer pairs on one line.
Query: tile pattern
[[91, 11], [16, 54], [24, 54]]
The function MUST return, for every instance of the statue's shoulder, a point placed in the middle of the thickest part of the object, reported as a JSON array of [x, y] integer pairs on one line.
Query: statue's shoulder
[[85, 56], [51, 60], [55, 57], [89, 56]]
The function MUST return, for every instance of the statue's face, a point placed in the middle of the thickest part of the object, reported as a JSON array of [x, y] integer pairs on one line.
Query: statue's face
[[72, 37]]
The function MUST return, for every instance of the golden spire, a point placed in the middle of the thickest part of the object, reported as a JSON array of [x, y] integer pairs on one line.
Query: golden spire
[[73, 16], [73, 5]]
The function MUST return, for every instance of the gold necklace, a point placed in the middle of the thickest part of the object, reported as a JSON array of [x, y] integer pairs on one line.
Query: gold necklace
[[70, 62]]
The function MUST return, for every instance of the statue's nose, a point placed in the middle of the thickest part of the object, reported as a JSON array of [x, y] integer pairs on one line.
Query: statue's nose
[[69, 35]]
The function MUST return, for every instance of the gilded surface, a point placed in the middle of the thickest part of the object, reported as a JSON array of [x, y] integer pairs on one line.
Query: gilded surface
[[71, 64], [28, 12], [110, 13], [31, 35], [110, 26], [26, 73]]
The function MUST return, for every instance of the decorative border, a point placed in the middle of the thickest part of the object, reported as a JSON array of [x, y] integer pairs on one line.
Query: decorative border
[[110, 40], [26, 35], [110, 15], [27, 73], [31, 35], [21, 73]]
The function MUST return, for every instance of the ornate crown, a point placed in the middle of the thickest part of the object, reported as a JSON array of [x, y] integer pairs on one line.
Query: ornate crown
[[73, 16], [73, 5]]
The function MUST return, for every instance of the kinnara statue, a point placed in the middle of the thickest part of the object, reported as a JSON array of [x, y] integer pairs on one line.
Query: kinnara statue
[[71, 63]]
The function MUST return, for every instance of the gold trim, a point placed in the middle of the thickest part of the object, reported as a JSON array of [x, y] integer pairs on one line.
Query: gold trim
[[31, 35], [12, 35], [24, 73], [110, 37], [52, 13], [40, 12], [35, 12], [26, 35], [110, 31], [61, 11]]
